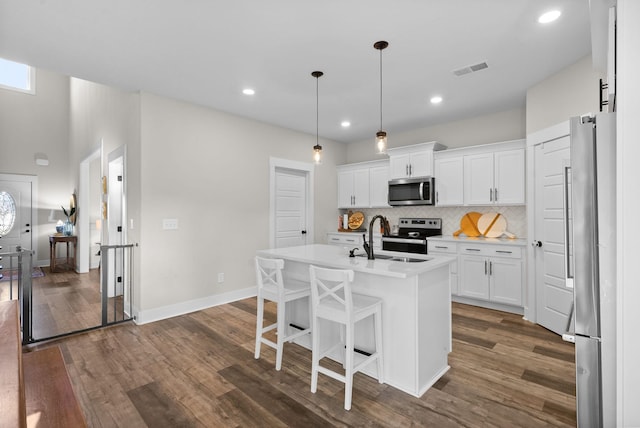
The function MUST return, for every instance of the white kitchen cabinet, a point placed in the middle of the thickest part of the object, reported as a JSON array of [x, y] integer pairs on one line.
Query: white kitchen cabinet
[[353, 188], [363, 185], [449, 179], [496, 177], [379, 186], [352, 240], [412, 161], [491, 272], [447, 249]]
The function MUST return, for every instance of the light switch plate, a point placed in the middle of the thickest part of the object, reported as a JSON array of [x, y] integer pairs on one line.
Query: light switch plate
[[170, 223]]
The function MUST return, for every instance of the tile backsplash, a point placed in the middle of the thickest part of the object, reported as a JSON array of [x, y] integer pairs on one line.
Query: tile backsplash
[[516, 216]]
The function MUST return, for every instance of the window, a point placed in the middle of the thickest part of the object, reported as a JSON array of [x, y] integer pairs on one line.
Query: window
[[18, 77], [7, 213]]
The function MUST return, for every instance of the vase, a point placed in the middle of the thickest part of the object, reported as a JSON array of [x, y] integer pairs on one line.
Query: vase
[[67, 229]]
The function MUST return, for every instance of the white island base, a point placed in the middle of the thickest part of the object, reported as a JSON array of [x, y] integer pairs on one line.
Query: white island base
[[416, 312]]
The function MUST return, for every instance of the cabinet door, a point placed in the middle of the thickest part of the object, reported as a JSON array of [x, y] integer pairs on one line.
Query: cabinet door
[[478, 179], [399, 166], [379, 186], [421, 164], [345, 189], [509, 177], [474, 277], [449, 174], [505, 281], [361, 188]]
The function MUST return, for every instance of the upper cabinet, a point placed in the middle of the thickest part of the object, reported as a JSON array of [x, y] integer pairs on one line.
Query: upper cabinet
[[449, 174], [412, 161], [363, 185], [490, 174], [496, 177]]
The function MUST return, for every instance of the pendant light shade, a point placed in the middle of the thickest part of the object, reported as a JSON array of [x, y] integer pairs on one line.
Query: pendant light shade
[[381, 136], [317, 149]]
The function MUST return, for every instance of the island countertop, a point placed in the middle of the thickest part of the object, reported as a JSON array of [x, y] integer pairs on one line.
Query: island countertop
[[338, 257]]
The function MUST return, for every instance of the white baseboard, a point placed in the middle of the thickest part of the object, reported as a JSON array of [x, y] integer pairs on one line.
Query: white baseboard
[[164, 312]]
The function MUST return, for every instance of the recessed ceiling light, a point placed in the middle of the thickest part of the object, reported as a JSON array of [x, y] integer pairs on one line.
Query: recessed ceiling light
[[345, 124], [550, 16], [248, 91], [436, 99]]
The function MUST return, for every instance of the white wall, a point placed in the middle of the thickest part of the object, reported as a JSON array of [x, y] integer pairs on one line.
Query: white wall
[[570, 92], [490, 128], [39, 123], [628, 208], [210, 170]]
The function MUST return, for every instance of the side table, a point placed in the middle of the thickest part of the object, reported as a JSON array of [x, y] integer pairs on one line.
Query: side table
[[71, 261]]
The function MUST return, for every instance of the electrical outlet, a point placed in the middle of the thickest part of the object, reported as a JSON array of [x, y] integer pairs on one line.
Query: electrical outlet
[[170, 223], [220, 277]]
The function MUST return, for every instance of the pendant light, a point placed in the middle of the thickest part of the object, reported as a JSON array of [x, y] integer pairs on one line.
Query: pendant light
[[381, 136], [317, 149]]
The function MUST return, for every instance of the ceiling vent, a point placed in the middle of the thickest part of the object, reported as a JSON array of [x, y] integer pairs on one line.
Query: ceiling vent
[[470, 69]]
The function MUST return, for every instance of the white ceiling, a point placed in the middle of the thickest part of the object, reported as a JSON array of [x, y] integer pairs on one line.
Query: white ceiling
[[207, 51]]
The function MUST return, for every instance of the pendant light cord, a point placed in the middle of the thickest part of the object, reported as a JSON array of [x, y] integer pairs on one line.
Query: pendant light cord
[[317, 109], [381, 89]]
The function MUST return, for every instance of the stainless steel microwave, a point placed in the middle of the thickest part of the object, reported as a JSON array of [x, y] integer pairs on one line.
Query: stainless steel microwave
[[411, 191]]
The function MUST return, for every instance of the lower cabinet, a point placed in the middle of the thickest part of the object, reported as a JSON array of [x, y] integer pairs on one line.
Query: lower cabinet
[[352, 239], [491, 272], [448, 249], [486, 273]]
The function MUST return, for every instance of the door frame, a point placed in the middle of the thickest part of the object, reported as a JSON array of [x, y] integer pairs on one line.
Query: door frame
[[84, 230], [33, 179], [301, 167], [551, 133]]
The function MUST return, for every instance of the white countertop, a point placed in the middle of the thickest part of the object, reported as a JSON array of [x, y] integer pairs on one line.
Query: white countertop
[[337, 257], [480, 240]]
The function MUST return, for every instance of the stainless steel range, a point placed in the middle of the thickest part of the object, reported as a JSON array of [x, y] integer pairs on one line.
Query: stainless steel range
[[412, 235]]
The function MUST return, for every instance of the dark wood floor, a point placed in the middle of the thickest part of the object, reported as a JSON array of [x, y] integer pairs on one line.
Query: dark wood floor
[[198, 370]]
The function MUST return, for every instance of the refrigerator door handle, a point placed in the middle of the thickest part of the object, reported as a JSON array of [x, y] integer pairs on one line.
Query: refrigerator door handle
[[566, 197]]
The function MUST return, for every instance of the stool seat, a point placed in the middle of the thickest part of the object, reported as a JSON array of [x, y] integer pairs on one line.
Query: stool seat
[[332, 300], [272, 286]]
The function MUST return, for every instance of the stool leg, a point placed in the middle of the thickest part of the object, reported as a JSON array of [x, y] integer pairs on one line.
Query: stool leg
[[281, 333], [348, 377], [315, 354], [379, 348], [259, 321]]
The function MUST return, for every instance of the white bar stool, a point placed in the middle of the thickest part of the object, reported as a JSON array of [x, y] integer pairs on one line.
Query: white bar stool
[[332, 299], [272, 287]]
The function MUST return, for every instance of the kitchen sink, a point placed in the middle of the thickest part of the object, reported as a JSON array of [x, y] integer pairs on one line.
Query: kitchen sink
[[394, 258]]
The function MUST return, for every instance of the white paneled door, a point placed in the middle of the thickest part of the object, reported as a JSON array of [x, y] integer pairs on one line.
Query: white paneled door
[[290, 208], [553, 297], [16, 224]]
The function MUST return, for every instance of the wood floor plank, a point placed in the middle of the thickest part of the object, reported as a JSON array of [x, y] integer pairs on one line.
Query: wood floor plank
[[504, 371]]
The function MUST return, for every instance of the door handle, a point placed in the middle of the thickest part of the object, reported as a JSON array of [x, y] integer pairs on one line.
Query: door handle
[[304, 232], [536, 244], [566, 196]]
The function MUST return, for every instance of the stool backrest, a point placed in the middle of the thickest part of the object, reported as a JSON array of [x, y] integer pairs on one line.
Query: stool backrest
[[331, 287], [269, 275]]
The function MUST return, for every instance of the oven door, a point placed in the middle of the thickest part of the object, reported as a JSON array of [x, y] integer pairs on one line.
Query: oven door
[[405, 245]]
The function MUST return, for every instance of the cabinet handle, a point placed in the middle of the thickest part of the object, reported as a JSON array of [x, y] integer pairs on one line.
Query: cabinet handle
[[491, 194], [490, 268], [495, 194], [485, 267], [472, 249], [410, 169], [504, 252], [406, 169], [437, 197], [440, 246]]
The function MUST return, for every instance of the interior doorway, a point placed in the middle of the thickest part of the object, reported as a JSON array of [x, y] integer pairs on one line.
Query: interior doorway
[[291, 203], [551, 157]]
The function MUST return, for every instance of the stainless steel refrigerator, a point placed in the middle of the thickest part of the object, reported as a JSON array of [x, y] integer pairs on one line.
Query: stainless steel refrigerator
[[591, 267]]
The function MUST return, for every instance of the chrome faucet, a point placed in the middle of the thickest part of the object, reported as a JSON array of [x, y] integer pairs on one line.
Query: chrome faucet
[[368, 247]]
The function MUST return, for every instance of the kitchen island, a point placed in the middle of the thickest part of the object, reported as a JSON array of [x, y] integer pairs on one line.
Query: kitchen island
[[416, 310]]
